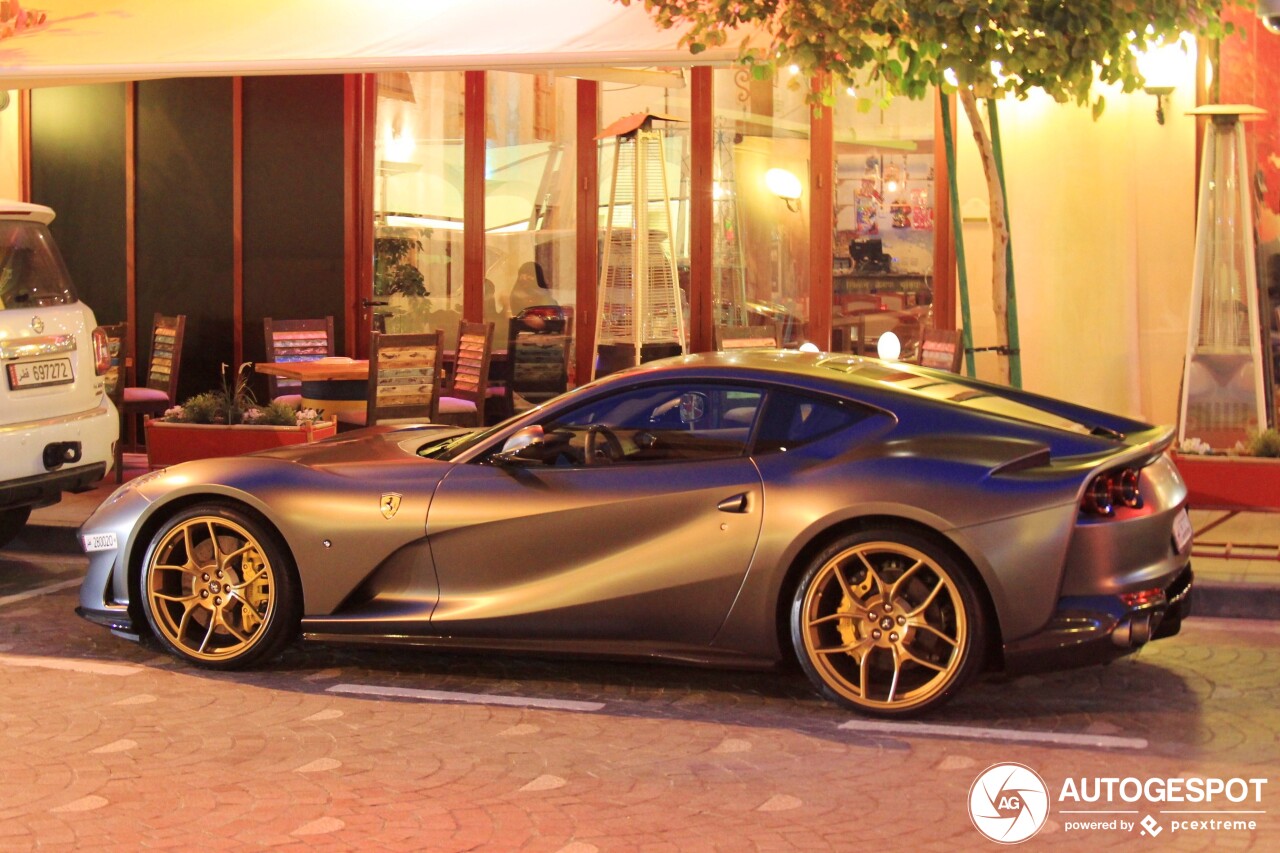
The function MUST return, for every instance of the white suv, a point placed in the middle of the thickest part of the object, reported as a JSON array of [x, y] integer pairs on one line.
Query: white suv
[[57, 427]]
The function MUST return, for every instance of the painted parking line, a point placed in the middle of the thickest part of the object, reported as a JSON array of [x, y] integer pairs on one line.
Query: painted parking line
[[1007, 735], [70, 665], [467, 698], [38, 591]]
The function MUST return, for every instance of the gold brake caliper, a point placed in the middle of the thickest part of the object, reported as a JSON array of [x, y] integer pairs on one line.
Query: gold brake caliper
[[851, 628], [258, 593]]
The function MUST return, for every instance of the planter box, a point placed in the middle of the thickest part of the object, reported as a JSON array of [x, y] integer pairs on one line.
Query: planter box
[[171, 443], [1230, 482]]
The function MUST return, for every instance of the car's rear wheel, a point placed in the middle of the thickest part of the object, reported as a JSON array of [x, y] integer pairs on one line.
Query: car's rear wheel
[[12, 522], [219, 590], [887, 622]]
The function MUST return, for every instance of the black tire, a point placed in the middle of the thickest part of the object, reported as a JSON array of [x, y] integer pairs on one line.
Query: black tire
[[887, 623], [219, 590], [11, 523]]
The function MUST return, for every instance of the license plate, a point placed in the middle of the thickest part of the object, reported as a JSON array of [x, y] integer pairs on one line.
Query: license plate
[[33, 374], [1182, 530], [100, 542]]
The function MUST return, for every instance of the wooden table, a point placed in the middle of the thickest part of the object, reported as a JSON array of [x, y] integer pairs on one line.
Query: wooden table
[[333, 384], [342, 384]]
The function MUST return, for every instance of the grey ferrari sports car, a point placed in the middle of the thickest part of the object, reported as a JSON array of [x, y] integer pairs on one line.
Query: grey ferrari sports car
[[895, 529]]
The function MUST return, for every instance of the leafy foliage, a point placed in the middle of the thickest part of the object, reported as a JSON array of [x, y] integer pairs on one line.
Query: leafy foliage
[[234, 403], [1265, 443], [392, 273], [996, 47]]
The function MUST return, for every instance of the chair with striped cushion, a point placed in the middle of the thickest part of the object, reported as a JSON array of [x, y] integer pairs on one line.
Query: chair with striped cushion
[[404, 380], [160, 390], [295, 340], [463, 402], [941, 349]]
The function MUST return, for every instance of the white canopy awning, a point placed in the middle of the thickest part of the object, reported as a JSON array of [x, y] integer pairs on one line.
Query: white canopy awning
[[85, 41]]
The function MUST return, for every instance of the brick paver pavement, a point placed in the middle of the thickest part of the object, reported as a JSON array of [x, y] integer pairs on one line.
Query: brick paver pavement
[[108, 745]]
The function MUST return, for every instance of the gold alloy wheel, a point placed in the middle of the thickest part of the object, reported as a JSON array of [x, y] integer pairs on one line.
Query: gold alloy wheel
[[884, 626], [210, 588]]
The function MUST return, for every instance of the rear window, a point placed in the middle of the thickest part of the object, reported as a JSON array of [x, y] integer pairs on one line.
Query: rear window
[[32, 274], [793, 420]]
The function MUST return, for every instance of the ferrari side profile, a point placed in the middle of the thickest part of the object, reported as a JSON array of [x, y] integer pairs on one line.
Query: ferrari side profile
[[895, 529]]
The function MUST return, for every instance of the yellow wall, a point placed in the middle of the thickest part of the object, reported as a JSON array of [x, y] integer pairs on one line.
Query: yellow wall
[[1103, 228]]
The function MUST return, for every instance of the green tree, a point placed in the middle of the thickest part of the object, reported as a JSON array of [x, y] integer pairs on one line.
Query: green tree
[[977, 49]]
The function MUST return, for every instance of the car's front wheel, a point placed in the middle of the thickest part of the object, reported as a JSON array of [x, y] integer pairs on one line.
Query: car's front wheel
[[887, 622], [11, 523], [218, 589]]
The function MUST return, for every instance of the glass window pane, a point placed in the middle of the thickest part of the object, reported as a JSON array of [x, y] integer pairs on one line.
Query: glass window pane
[[530, 199], [418, 189], [761, 263], [656, 169], [884, 222]]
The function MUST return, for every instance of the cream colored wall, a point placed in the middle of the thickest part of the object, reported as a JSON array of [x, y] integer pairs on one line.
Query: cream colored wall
[[10, 180], [1103, 224]]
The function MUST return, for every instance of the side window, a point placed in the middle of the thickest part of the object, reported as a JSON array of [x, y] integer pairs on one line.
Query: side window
[[655, 423], [792, 420]]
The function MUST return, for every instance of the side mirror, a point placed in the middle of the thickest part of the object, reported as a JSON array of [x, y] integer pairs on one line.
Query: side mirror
[[522, 448]]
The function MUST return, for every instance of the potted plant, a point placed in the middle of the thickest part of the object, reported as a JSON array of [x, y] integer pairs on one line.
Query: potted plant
[[1248, 477], [228, 422]]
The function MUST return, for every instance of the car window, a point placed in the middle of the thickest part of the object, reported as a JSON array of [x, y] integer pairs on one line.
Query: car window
[[655, 423], [792, 420], [31, 271]]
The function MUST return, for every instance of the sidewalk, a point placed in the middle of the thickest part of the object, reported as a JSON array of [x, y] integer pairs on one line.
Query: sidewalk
[[1236, 554]]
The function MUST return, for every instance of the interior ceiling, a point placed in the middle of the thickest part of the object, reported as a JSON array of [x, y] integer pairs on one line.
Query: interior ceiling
[[84, 41]]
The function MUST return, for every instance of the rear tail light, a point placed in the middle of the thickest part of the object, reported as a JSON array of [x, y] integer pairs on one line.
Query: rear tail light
[[1112, 489], [101, 352], [1143, 597]]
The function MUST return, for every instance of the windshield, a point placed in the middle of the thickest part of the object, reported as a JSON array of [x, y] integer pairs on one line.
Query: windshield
[[32, 274], [452, 446]]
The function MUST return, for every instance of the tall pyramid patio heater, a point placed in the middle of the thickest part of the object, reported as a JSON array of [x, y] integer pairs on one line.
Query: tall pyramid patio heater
[[1224, 390], [640, 313]]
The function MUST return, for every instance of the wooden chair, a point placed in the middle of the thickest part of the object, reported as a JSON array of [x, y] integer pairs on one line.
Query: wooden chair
[[160, 390], [463, 402], [940, 349], [743, 337], [537, 362], [113, 383], [295, 340], [404, 380]]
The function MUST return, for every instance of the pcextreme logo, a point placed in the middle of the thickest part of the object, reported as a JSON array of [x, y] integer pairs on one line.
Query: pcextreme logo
[[1009, 803]]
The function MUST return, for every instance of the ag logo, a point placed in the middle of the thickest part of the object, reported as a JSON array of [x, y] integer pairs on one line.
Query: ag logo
[[1008, 803], [390, 504]]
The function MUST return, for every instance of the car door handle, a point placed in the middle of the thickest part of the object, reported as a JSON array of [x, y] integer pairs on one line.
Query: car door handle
[[737, 503]]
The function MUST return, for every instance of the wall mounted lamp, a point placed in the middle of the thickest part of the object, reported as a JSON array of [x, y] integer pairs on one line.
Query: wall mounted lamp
[[785, 186], [1162, 65], [1161, 92]]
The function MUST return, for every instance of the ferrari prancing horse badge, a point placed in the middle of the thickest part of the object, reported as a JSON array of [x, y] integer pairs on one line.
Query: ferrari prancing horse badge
[[390, 504]]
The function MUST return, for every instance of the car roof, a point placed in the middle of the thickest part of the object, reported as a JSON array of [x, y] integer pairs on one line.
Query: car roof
[[879, 382], [24, 210]]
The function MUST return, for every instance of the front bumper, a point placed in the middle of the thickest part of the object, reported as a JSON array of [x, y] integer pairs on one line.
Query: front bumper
[[1096, 629]]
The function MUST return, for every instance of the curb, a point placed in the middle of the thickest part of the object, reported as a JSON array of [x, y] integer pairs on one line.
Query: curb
[[1210, 598], [1225, 599]]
